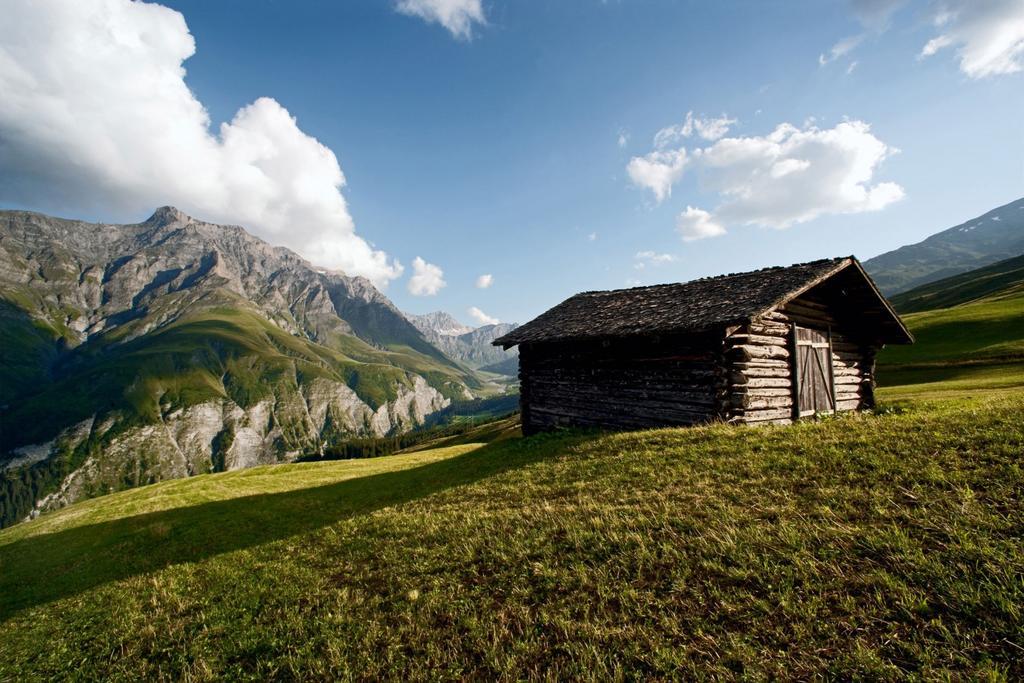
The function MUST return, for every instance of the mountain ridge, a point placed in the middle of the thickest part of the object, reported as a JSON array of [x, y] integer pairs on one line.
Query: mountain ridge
[[139, 352], [993, 236]]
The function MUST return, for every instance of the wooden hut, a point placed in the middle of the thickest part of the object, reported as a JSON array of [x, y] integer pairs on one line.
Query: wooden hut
[[771, 345]]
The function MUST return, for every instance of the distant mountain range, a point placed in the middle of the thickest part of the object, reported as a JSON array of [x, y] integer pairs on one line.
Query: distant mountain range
[[135, 353], [471, 346], [991, 237]]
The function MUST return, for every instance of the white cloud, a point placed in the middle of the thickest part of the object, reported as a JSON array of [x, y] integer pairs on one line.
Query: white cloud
[[484, 281], [623, 139], [458, 16], [482, 317], [988, 35], [709, 129], [851, 67], [592, 237], [642, 259], [792, 175], [695, 224], [658, 171], [96, 116], [427, 279]]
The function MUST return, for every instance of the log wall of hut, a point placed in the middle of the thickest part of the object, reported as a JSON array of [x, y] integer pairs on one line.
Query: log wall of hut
[[760, 356], [623, 383]]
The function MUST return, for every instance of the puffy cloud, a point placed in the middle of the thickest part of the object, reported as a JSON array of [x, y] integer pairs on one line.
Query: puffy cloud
[[988, 35], [96, 115], [642, 259], [458, 16], [427, 279], [482, 317], [658, 171], [484, 281], [792, 175], [709, 129], [696, 224]]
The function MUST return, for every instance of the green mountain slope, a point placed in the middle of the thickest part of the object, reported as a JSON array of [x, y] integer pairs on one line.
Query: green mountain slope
[[991, 237], [1004, 278], [137, 353], [982, 336], [870, 547]]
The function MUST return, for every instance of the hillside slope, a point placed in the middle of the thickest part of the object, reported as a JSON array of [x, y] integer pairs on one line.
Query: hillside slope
[[873, 547], [136, 353], [1002, 278], [978, 341], [993, 236]]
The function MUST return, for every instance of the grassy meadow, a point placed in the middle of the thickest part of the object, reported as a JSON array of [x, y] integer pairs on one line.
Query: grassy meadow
[[869, 546], [975, 341]]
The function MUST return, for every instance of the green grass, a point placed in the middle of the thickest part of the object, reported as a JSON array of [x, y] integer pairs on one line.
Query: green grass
[[972, 346], [952, 382], [883, 546]]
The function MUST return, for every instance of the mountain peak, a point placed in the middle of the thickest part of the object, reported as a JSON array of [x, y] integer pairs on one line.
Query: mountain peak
[[439, 322], [166, 215]]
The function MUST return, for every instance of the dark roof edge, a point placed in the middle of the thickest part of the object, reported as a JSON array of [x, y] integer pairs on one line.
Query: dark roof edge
[[842, 265]]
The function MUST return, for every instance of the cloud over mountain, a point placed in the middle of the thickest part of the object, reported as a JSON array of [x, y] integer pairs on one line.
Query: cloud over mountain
[[481, 317], [427, 279], [96, 114]]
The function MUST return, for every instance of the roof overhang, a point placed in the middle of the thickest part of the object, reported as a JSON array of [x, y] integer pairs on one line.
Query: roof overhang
[[902, 336]]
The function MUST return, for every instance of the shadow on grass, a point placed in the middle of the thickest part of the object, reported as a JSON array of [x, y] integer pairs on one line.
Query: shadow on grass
[[40, 569]]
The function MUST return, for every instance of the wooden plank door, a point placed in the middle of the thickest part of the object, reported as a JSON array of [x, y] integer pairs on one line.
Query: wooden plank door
[[813, 381]]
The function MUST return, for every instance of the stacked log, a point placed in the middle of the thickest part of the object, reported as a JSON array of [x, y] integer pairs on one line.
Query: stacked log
[[759, 364], [760, 388]]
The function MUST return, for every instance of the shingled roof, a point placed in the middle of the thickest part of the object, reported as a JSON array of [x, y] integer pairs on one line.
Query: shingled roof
[[682, 308]]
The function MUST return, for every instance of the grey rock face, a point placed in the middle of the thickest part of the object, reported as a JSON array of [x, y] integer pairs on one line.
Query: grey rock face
[[183, 347]]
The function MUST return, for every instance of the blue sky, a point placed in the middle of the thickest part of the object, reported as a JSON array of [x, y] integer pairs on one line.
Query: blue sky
[[501, 153]]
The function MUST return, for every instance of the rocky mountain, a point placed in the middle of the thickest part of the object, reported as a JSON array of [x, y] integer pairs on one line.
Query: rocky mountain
[[438, 323], [991, 237], [135, 353], [468, 345]]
